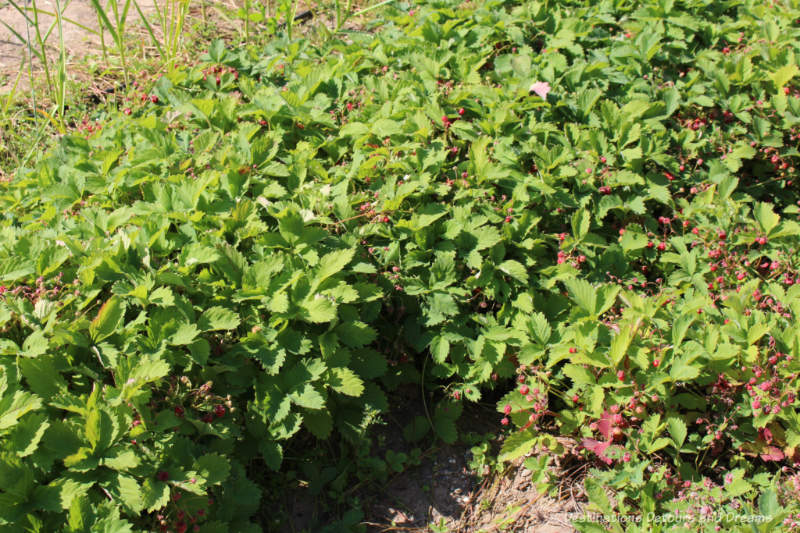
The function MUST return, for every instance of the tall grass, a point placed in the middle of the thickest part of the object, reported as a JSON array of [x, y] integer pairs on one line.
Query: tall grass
[[171, 16], [115, 26], [280, 14], [61, 72], [55, 73], [166, 28]]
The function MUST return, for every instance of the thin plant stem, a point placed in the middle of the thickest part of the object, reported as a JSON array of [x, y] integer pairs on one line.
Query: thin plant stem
[[12, 93], [149, 28], [372, 8], [102, 39], [171, 17], [42, 48], [290, 18], [62, 67], [34, 146], [30, 65], [247, 21], [121, 44]]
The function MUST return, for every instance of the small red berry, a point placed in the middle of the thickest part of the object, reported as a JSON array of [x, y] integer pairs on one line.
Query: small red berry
[[162, 475], [154, 98], [507, 408], [524, 390]]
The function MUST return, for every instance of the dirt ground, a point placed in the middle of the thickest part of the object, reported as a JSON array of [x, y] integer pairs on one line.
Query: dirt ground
[[82, 34], [442, 491], [13, 48], [442, 494]]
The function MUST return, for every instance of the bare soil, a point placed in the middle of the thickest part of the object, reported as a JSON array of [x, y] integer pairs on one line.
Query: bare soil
[[14, 44], [442, 493], [82, 33]]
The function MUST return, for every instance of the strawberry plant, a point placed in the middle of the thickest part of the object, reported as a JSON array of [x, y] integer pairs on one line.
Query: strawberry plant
[[586, 211]]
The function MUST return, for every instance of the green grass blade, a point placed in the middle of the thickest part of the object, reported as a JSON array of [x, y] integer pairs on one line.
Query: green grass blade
[[21, 11], [125, 10], [149, 28], [12, 93], [104, 18], [21, 39], [62, 68], [372, 8], [65, 19]]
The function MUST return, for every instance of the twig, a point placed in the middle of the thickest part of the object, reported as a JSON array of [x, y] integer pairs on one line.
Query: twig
[[519, 513], [107, 493], [391, 528]]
